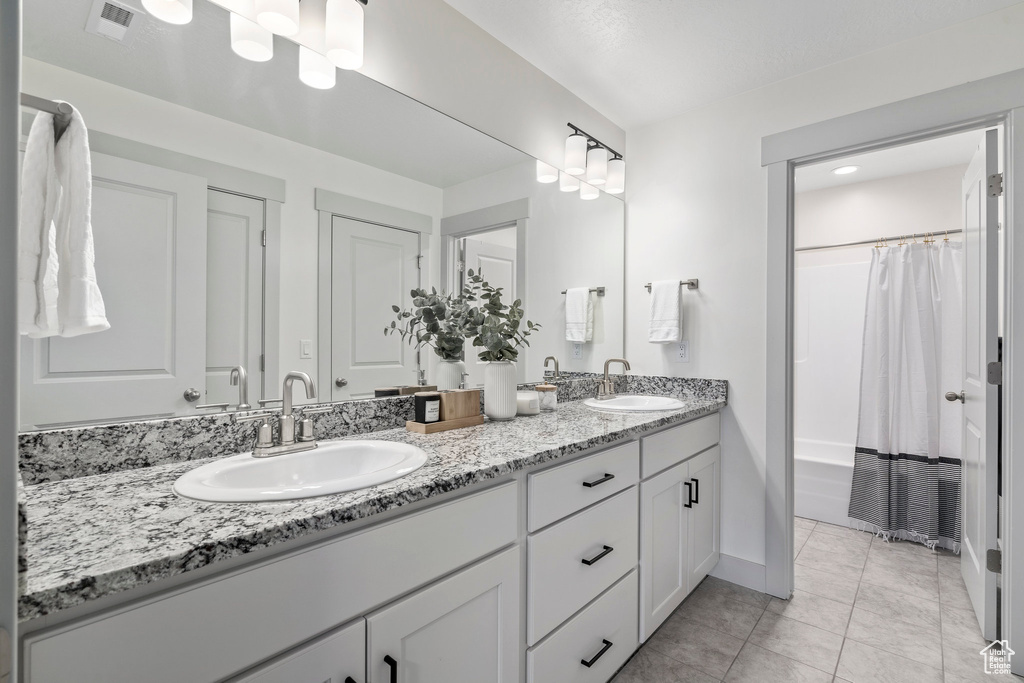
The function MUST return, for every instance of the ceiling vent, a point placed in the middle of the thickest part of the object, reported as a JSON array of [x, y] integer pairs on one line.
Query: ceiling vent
[[113, 20]]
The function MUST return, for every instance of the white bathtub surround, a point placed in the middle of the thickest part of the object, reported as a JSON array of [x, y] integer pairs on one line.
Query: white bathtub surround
[[500, 390], [906, 480], [449, 374], [579, 315], [665, 318]]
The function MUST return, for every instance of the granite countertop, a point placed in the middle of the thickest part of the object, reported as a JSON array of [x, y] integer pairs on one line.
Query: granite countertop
[[99, 535]]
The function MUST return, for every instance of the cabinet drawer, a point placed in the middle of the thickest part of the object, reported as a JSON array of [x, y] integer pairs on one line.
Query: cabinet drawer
[[560, 580], [338, 657], [609, 619], [665, 449], [273, 606], [562, 490]]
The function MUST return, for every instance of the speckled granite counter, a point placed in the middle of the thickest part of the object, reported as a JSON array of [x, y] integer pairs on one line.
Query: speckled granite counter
[[99, 535]]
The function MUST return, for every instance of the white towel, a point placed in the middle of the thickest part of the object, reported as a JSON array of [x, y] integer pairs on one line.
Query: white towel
[[579, 315], [665, 317]]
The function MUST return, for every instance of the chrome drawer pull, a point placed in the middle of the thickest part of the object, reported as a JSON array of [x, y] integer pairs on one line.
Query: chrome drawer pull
[[588, 664], [595, 558], [596, 482]]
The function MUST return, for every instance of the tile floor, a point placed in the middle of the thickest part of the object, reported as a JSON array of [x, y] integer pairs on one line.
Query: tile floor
[[863, 611]]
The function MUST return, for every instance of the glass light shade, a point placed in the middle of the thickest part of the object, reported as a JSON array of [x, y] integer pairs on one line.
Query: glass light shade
[[345, 33], [616, 176], [244, 7], [588, 191], [546, 173], [845, 170], [597, 165], [568, 183], [250, 40], [171, 11], [278, 16], [315, 70], [576, 154]]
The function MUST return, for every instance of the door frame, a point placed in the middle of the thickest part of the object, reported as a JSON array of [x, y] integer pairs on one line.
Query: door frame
[[979, 104]]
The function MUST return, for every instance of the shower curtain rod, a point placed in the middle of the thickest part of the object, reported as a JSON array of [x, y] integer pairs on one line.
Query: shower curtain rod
[[940, 233]]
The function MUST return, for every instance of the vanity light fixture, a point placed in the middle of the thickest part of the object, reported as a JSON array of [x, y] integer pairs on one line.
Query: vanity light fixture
[[588, 191], [250, 40], [345, 33], [171, 11], [616, 183], [599, 169], [546, 173], [315, 69], [597, 165], [844, 170], [568, 183], [278, 16], [576, 154]]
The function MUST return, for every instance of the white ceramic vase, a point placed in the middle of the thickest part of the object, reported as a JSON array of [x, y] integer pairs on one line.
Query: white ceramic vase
[[449, 374], [500, 390]]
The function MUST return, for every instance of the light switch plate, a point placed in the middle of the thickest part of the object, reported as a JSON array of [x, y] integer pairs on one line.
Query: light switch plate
[[305, 349], [577, 351], [681, 352]]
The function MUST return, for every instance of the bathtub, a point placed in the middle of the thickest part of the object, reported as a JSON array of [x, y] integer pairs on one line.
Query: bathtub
[[823, 472]]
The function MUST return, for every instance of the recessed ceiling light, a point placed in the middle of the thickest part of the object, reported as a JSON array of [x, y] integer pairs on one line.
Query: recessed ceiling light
[[843, 170]]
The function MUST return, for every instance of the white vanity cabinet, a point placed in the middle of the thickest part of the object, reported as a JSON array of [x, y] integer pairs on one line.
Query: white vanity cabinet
[[338, 657], [680, 517]]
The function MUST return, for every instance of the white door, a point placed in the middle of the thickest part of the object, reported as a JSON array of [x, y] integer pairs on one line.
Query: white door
[[705, 545], [234, 294], [497, 265], [664, 543], [980, 427], [149, 230], [373, 268], [464, 629]]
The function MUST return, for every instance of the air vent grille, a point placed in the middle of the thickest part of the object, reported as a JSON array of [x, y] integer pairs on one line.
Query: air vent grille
[[117, 15], [113, 20]]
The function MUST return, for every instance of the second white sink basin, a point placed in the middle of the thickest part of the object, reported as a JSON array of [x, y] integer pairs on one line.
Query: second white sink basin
[[333, 467], [629, 403]]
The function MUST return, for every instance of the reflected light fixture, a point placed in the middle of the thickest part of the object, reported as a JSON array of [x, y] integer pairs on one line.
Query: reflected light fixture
[[597, 165], [616, 183], [250, 40], [171, 11], [546, 173], [568, 183], [588, 191], [576, 154], [845, 170], [315, 69], [278, 16], [345, 33]]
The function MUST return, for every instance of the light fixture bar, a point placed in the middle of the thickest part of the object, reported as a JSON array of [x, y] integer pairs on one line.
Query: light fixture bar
[[592, 141]]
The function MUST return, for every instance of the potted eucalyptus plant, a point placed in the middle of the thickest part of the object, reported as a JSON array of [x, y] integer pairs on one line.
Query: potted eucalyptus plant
[[500, 334], [442, 322]]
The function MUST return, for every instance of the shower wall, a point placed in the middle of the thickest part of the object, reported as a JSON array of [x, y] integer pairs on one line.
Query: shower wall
[[831, 287]]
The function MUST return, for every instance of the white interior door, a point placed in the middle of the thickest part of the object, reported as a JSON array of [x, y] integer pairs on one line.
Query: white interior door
[[497, 264], [372, 268], [149, 230], [980, 428], [234, 294]]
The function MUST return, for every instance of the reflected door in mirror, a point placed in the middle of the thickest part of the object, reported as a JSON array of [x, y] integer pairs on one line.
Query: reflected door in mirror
[[493, 255]]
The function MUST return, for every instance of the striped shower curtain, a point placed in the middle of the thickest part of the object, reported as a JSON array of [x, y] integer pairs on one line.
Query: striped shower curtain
[[906, 477]]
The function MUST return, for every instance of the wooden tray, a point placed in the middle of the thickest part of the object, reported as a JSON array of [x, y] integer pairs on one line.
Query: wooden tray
[[444, 426]]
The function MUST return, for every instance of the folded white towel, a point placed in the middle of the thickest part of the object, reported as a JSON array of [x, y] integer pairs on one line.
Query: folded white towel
[[665, 316], [579, 315]]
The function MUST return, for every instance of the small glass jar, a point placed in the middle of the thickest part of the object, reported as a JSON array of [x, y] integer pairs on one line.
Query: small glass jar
[[548, 397]]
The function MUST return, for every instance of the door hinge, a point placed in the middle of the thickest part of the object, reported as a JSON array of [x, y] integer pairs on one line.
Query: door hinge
[[460, 266], [419, 261], [994, 561], [263, 363], [264, 238], [995, 373], [995, 185]]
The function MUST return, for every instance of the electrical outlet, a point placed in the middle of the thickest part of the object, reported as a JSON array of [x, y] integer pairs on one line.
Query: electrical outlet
[[577, 351], [305, 349], [681, 352]]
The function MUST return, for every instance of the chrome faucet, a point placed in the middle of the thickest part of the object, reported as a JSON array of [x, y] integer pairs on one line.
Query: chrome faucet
[[557, 375], [286, 435], [286, 442], [240, 379], [606, 389]]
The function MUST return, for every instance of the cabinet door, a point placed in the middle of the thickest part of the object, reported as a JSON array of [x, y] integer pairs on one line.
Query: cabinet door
[[463, 629], [338, 657], [705, 475], [664, 542]]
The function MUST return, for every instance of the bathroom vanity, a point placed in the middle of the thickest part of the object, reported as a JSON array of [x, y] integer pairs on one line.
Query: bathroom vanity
[[542, 549]]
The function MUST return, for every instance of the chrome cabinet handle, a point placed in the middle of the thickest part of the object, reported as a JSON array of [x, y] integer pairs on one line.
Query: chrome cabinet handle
[[595, 558], [192, 395], [593, 660], [341, 382], [952, 396]]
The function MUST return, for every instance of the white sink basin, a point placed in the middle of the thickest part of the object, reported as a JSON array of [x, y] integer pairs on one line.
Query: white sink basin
[[629, 403], [333, 467]]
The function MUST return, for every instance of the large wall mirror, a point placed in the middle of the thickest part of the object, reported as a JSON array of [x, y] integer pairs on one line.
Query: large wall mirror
[[245, 220]]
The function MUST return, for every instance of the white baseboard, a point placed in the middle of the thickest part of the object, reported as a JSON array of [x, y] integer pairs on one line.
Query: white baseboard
[[741, 572]]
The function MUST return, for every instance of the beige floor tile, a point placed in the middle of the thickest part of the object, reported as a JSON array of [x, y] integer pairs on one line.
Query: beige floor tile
[[826, 584], [841, 542], [757, 665], [953, 592], [695, 645], [800, 537], [826, 560], [915, 583], [648, 666], [836, 530], [733, 591], [815, 610], [949, 563], [716, 611], [960, 626], [794, 639], [888, 559], [895, 605], [895, 637], [803, 523], [965, 662], [865, 664]]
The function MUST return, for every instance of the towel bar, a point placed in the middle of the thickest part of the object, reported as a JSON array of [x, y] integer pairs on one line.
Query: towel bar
[[599, 290], [690, 284]]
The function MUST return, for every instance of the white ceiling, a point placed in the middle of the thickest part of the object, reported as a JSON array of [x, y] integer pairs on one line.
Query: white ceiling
[[641, 61], [951, 150], [194, 66]]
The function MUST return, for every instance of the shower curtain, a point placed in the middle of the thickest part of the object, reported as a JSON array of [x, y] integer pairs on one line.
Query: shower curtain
[[906, 476]]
